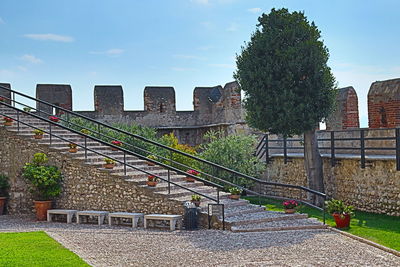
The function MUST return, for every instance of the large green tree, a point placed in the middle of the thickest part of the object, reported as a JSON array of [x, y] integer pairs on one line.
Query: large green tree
[[288, 85]]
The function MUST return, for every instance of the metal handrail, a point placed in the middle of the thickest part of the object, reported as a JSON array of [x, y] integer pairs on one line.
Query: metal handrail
[[172, 150]]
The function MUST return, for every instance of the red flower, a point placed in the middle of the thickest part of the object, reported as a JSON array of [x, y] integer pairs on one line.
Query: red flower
[[193, 172], [290, 204], [117, 143], [2, 99], [54, 118]]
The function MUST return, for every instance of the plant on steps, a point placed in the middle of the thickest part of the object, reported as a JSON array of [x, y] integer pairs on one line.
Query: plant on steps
[[54, 119], [235, 193], [152, 180], [45, 183], [196, 199], [153, 157], [290, 206], [109, 163], [38, 134], [4, 187], [340, 212], [116, 143], [27, 109], [7, 121], [190, 179], [73, 148]]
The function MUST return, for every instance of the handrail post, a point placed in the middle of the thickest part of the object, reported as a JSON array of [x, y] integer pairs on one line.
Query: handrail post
[[124, 163], [217, 195], [362, 146], [17, 120], [169, 182], [50, 133], [85, 148], [266, 148], [323, 209], [13, 99], [333, 149], [98, 130], [285, 149], [397, 149]]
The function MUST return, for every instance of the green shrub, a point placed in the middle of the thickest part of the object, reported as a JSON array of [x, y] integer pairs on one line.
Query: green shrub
[[45, 180], [4, 185], [235, 152], [338, 206]]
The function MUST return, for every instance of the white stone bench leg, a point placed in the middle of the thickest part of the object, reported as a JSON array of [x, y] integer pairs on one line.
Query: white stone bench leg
[[135, 222], [77, 219], [172, 224], [109, 220], [69, 218], [48, 217], [145, 223]]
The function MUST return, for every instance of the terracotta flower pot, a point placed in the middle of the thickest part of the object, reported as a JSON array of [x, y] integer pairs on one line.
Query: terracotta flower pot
[[290, 211], [234, 197], [114, 149], [73, 150], [342, 221], [189, 179], [109, 165], [2, 205], [8, 123], [151, 183], [41, 209], [150, 163], [196, 202], [38, 136]]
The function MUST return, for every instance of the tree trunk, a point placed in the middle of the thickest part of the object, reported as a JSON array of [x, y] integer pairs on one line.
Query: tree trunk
[[313, 166]]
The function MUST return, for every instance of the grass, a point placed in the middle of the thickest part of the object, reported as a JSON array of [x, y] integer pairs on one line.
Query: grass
[[35, 249], [379, 228]]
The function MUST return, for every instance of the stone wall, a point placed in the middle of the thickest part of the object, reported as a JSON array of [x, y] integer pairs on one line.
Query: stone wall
[[374, 189], [84, 186], [345, 115]]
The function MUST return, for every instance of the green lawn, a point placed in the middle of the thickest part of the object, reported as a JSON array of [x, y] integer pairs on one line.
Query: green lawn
[[381, 229], [35, 249]]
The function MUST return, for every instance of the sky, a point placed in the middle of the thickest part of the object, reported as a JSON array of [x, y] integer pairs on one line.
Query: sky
[[180, 43]]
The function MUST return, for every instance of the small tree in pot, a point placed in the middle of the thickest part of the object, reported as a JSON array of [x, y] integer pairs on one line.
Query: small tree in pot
[[4, 186], [45, 183], [340, 212]]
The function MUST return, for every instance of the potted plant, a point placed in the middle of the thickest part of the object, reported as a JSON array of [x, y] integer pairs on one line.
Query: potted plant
[[116, 143], [4, 186], [109, 163], [8, 121], [54, 119], [196, 200], [73, 148], [27, 109], [235, 193], [340, 212], [290, 206], [152, 180], [153, 157], [2, 99], [189, 178], [38, 134], [45, 183]]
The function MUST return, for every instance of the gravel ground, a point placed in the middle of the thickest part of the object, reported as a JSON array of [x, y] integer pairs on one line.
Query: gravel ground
[[123, 246]]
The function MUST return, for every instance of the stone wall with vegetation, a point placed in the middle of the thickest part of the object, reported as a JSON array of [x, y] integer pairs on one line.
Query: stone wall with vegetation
[[84, 186], [374, 189]]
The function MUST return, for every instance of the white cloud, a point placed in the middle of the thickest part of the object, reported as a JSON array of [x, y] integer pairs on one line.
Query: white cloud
[[1, 21], [22, 68], [207, 24], [233, 27], [205, 48], [49, 37], [6, 74], [31, 59], [181, 69], [189, 57], [109, 52], [254, 10]]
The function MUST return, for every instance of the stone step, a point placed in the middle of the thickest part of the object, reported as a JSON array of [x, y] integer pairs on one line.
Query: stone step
[[179, 192], [245, 209], [284, 225], [265, 216]]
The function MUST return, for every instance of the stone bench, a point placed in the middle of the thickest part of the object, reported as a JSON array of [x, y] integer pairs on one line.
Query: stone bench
[[174, 220], [134, 216], [101, 215], [69, 213]]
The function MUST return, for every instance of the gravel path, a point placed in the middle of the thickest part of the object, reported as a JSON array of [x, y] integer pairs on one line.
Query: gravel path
[[123, 246]]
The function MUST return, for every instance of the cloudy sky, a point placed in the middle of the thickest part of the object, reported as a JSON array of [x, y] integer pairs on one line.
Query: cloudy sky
[[180, 43]]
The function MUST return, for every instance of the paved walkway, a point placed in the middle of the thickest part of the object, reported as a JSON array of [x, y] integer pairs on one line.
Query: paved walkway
[[124, 246]]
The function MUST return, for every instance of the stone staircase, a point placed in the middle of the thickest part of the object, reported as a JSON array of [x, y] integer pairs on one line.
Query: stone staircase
[[240, 215]]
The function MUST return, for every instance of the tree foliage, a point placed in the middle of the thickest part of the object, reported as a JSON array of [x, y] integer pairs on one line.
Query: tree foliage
[[283, 71]]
